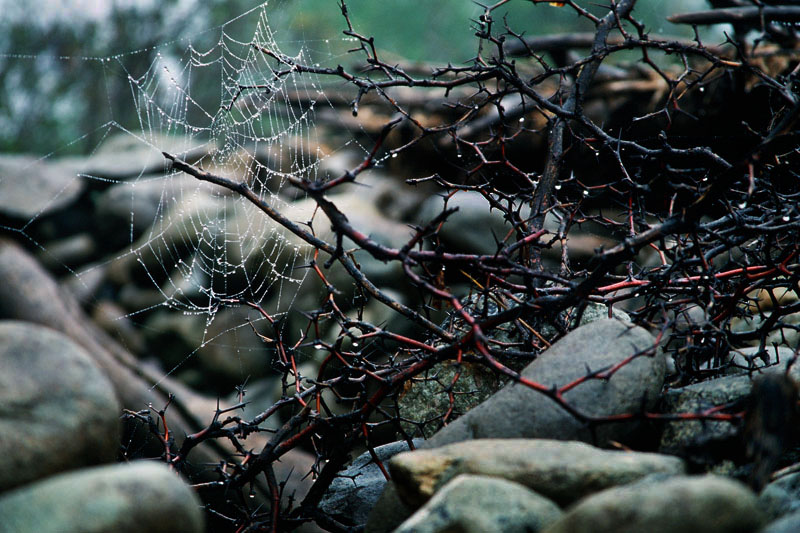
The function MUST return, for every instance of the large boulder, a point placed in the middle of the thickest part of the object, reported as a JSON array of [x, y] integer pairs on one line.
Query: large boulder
[[58, 410], [706, 504], [517, 411], [129, 498]]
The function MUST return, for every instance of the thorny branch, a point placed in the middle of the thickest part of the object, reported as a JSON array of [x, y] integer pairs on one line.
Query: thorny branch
[[700, 197]]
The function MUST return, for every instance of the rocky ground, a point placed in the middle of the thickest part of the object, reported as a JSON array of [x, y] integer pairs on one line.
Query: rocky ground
[[84, 335]]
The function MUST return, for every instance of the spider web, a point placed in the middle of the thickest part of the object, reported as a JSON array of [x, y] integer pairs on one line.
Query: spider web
[[198, 248]]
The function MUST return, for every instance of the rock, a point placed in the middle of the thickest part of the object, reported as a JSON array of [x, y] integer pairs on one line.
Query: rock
[[388, 513], [353, 494], [175, 235], [781, 497], [125, 498], [695, 398], [426, 400], [479, 504], [68, 252], [58, 411], [116, 322], [30, 187], [230, 351], [786, 524], [474, 228], [518, 411], [783, 333], [85, 284], [126, 155], [128, 209], [561, 471], [748, 359], [31, 294], [705, 504], [680, 435]]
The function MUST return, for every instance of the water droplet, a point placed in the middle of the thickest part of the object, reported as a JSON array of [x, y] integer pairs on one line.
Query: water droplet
[[318, 346], [586, 192], [522, 119], [395, 155], [557, 187], [785, 218], [742, 205], [702, 89]]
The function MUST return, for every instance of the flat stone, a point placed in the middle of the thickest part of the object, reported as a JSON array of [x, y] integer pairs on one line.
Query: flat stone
[[704, 504], [30, 187], [125, 156], [517, 411], [480, 504], [58, 410], [353, 494], [561, 471], [705, 395], [123, 498]]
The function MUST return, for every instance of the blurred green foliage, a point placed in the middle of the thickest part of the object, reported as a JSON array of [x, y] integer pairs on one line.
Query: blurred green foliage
[[62, 81]]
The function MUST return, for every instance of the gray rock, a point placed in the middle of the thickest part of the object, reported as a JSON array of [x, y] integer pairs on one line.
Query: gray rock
[[561, 471], [748, 359], [519, 411], [696, 398], [784, 332], [388, 513], [125, 156], [129, 498], [70, 251], [706, 504], [474, 228], [781, 497], [701, 396], [116, 322], [58, 411], [786, 524], [353, 494], [479, 504], [30, 187], [129, 208]]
